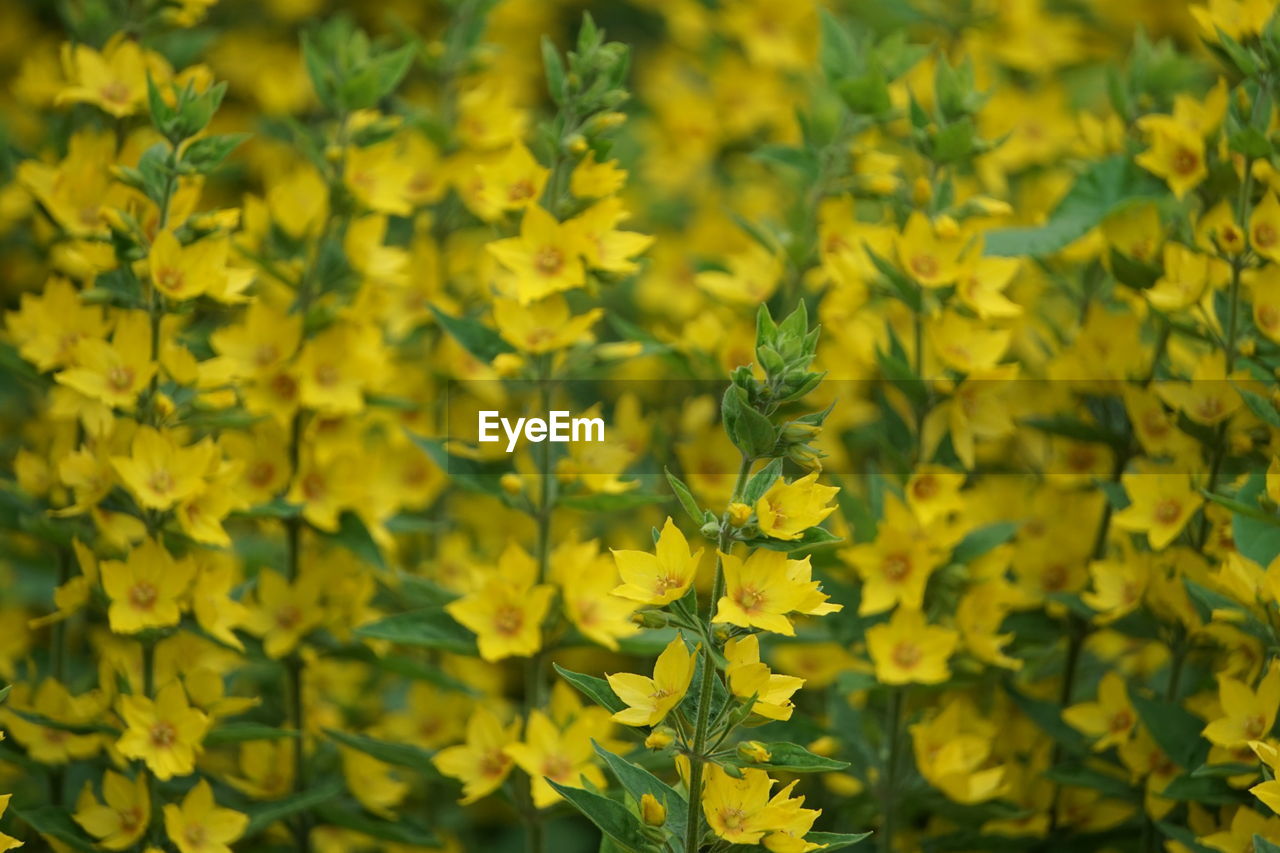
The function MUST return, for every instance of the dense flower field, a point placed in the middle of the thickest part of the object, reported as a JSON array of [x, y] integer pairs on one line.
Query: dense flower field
[[937, 345]]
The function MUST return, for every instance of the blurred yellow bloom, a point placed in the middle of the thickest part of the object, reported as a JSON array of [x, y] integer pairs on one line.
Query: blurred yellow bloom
[[1110, 720], [481, 763], [199, 825], [114, 80], [544, 259], [146, 590], [542, 326], [1246, 713], [1160, 505], [114, 373], [506, 610], [564, 757], [165, 732], [907, 649]]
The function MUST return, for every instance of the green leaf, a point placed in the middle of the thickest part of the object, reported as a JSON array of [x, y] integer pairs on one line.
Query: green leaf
[[401, 832], [1073, 428], [1183, 836], [637, 781], [1203, 789], [1175, 729], [1262, 845], [430, 627], [399, 754], [595, 689], [1260, 406], [353, 535], [750, 431], [207, 153], [836, 840], [554, 67], [243, 731], [4, 692], [1256, 539], [1105, 188], [1048, 716], [814, 537], [761, 481], [262, 815], [837, 52], [56, 823], [984, 539], [467, 473], [1079, 776], [796, 759], [685, 497], [475, 337], [1209, 600], [613, 818], [610, 503]]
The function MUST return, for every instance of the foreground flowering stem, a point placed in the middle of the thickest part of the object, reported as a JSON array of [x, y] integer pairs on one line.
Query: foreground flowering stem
[[698, 746]]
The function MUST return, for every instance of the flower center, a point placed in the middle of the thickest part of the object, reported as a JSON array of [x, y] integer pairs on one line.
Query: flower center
[[1168, 510], [120, 378], [508, 620], [548, 260], [1265, 235], [520, 191], [163, 734], [749, 599], [161, 482], [143, 595], [896, 567], [925, 266], [906, 654], [170, 279], [733, 818], [1185, 161], [115, 92]]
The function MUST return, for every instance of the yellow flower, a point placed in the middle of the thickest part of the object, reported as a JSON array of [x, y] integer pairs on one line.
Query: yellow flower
[[752, 277], [565, 757], [165, 733], [338, 365], [1160, 505], [967, 345], [1176, 153], [7, 842], [593, 179], [1186, 275], [907, 650], [544, 259], [787, 510], [603, 246], [895, 566], [586, 579], [652, 812], [981, 287], [298, 201], [1264, 227], [1118, 585], [282, 613], [158, 472], [482, 762], [185, 272], [48, 326], [46, 744], [1264, 285], [1217, 229], [513, 182], [661, 577], [1269, 791], [1247, 714], [378, 177], [739, 810], [1239, 19], [200, 826], [145, 590], [372, 782], [506, 610], [931, 257], [762, 590], [953, 750], [114, 80], [113, 373], [1110, 720], [649, 699], [749, 677], [542, 326]]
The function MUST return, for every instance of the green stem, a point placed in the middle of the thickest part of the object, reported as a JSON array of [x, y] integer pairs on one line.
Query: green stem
[[889, 784], [697, 749]]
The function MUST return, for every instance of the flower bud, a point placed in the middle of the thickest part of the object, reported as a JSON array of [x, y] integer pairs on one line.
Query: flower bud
[[947, 227], [511, 483], [739, 514], [826, 746], [649, 618], [660, 738], [507, 364], [921, 192], [577, 144], [652, 812], [798, 432], [754, 751], [711, 529]]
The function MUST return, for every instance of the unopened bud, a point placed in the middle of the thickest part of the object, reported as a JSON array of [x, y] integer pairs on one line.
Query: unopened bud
[[825, 746], [649, 619], [739, 514], [921, 192], [652, 812], [511, 483], [754, 751], [507, 364], [660, 738], [711, 529], [798, 432], [947, 228], [577, 144]]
